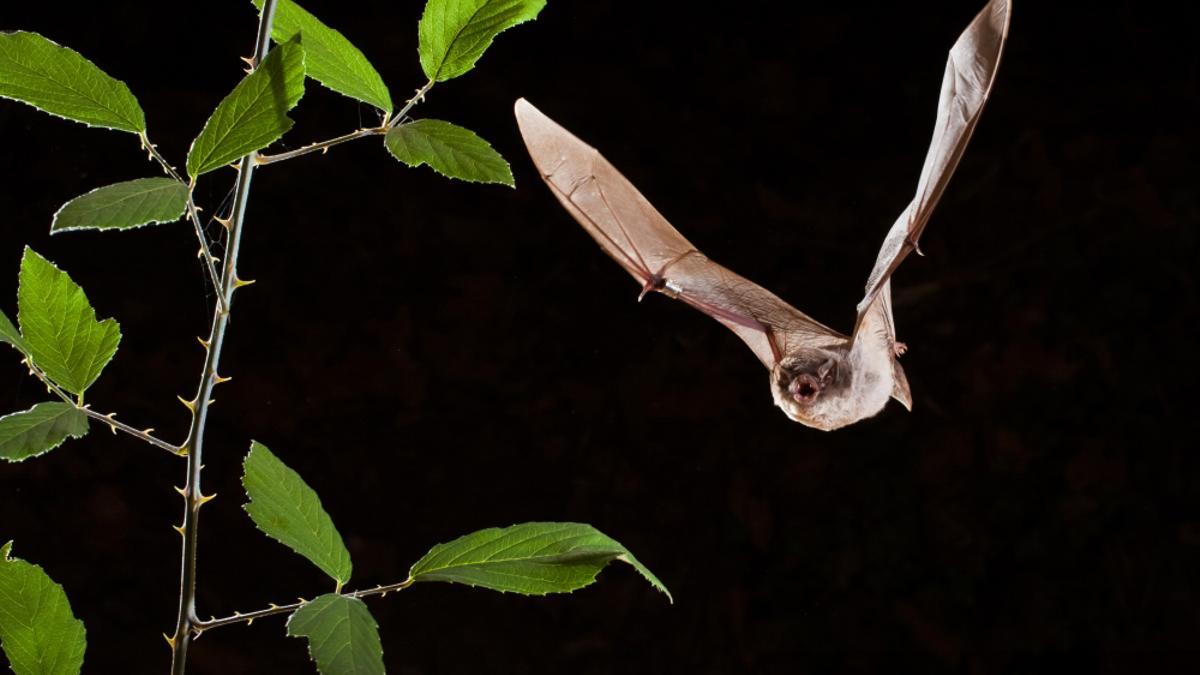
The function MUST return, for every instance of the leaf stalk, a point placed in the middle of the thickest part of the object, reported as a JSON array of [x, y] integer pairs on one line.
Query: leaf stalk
[[248, 617]]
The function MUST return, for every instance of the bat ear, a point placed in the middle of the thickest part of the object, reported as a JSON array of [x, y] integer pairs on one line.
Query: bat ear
[[900, 390]]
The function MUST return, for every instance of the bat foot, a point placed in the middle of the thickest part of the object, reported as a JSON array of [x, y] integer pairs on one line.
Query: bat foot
[[915, 246], [898, 348]]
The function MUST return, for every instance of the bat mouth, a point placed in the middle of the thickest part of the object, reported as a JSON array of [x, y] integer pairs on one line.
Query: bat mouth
[[804, 388]]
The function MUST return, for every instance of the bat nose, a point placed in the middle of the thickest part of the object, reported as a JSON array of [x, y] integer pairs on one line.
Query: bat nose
[[804, 388]]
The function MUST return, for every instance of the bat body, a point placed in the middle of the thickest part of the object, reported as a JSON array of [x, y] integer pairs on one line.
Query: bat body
[[819, 377]]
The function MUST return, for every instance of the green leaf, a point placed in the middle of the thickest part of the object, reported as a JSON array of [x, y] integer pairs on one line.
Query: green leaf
[[453, 34], [40, 429], [342, 635], [38, 632], [10, 334], [530, 558], [59, 81], [134, 203], [450, 150], [329, 57], [254, 114], [60, 327], [286, 509]]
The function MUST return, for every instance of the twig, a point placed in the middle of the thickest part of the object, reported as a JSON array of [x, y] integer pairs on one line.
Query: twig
[[193, 498], [249, 617], [192, 211], [324, 146], [109, 419]]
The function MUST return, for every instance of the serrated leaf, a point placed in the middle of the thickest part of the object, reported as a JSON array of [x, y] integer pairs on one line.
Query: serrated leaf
[[530, 558], [59, 325], [38, 632], [40, 429], [121, 206], [10, 334], [329, 58], [254, 114], [448, 149], [453, 34], [286, 509], [57, 80], [343, 638]]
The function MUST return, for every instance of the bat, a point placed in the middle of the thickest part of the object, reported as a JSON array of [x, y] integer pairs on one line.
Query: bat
[[819, 377]]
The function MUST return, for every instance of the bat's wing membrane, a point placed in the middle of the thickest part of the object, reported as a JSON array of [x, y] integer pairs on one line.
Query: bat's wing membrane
[[970, 72], [637, 236]]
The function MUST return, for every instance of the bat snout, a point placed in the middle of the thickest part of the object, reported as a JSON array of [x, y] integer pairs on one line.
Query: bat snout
[[804, 388]]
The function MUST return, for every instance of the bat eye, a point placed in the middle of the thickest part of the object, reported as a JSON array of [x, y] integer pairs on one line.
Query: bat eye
[[804, 388]]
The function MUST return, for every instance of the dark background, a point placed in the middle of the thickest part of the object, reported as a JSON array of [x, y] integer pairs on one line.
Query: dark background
[[436, 357]]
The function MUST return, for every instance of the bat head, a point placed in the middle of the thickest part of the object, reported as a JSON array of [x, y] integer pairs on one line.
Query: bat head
[[828, 390]]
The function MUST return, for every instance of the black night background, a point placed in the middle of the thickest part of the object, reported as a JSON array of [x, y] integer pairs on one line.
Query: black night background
[[436, 357]]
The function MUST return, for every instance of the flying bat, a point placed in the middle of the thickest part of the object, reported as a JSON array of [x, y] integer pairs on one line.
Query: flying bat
[[819, 377]]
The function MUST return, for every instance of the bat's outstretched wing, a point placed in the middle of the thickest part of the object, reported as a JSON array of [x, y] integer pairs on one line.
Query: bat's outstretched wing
[[970, 72], [636, 235]]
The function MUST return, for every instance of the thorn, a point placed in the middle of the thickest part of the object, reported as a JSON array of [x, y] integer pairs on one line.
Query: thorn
[[183, 452], [178, 528], [203, 343], [182, 492], [147, 431], [273, 605], [170, 641], [238, 283], [217, 379], [111, 426], [204, 499], [302, 600], [197, 208], [227, 223], [190, 405], [235, 166], [212, 401], [325, 150], [249, 61], [250, 621]]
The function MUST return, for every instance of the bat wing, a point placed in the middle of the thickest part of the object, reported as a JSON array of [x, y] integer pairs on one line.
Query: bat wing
[[638, 237], [970, 72]]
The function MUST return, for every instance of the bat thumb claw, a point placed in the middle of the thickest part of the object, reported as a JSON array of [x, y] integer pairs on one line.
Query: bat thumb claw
[[654, 283]]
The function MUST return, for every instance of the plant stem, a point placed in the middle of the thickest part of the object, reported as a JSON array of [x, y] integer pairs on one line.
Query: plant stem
[[193, 212], [408, 105], [324, 146], [107, 419], [193, 497], [249, 617]]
